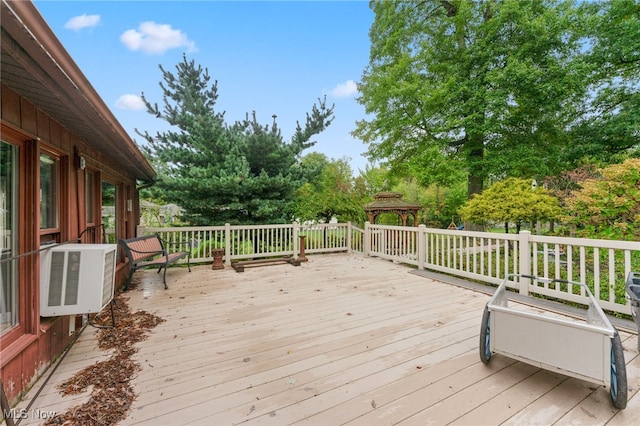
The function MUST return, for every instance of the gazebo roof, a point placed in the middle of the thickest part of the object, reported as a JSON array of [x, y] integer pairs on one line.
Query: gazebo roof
[[390, 201]]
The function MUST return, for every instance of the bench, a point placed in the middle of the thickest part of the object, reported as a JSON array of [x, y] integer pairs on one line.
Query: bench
[[150, 251]]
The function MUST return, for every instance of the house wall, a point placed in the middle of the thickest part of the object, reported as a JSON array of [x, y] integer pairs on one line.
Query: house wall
[[29, 347]]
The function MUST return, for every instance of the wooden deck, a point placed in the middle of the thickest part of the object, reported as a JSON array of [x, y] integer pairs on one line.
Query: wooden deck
[[342, 339]]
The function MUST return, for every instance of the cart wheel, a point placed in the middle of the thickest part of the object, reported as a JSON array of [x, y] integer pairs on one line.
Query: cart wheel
[[485, 336], [618, 389]]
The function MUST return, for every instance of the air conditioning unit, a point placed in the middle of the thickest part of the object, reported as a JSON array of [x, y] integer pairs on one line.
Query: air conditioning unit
[[76, 278]]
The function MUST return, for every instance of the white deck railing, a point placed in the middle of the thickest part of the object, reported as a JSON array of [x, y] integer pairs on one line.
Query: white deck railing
[[488, 257], [260, 241], [481, 256]]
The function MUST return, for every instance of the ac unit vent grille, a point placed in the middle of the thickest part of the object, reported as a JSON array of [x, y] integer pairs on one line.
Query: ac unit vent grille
[[56, 282], [73, 278]]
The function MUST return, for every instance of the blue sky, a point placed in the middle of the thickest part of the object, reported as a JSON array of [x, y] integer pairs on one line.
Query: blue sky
[[269, 57]]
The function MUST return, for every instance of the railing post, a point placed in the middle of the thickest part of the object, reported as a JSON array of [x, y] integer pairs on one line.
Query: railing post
[[139, 230], [422, 239], [366, 239], [227, 244], [295, 236], [524, 251], [348, 238]]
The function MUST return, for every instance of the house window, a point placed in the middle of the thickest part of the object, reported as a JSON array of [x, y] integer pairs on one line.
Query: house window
[[49, 193], [8, 236], [110, 212]]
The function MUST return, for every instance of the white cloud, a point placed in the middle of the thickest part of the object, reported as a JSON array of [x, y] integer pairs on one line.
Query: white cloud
[[131, 102], [83, 21], [151, 37], [345, 90]]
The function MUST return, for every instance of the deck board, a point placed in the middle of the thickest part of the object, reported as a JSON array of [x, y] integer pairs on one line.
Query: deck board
[[341, 339]]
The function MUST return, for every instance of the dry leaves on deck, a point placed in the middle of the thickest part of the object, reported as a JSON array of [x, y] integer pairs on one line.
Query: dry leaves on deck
[[112, 393]]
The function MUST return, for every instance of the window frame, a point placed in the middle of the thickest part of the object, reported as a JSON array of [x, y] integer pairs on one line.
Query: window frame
[[57, 192]]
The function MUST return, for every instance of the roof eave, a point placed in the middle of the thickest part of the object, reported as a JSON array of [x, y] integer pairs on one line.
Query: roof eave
[[34, 46]]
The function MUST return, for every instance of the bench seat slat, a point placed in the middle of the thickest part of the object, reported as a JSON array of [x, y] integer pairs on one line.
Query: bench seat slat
[[170, 258]]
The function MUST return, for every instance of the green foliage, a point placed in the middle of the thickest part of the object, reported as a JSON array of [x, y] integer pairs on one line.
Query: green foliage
[[441, 204], [608, 207], [377, 179], [324, 237], [500, 88], [611, 119], [241, 173], [511, 200], [330, 191]]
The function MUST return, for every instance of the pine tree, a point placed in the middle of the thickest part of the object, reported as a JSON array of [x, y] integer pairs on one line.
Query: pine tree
[[219, 173]]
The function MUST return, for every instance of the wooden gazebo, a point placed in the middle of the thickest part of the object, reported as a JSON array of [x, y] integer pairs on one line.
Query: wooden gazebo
[[391, 202]]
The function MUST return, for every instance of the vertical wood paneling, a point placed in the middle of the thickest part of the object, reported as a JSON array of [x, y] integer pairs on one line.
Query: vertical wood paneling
[[10, 104], [55, 136], [44, 132], [28, 113]]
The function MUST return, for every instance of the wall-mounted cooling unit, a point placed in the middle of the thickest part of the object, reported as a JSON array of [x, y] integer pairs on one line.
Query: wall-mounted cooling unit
[[76, 278]]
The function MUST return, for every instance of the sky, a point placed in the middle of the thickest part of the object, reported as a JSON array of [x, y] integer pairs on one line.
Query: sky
[[271, 57]]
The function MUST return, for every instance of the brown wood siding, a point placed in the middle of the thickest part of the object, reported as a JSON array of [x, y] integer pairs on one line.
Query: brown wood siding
[[28, 114], [10, 106], [30, 356], [43, 126], [12, 374], [30, 346], [81, 214]]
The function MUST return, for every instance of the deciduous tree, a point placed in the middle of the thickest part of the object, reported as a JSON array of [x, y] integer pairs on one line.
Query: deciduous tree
[[497, 88], [329, 193], [610, 124]]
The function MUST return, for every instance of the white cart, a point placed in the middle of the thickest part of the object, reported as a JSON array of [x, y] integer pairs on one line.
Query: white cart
[[588, 350]]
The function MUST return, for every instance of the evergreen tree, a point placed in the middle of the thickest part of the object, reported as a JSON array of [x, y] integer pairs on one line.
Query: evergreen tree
[[219, 173]]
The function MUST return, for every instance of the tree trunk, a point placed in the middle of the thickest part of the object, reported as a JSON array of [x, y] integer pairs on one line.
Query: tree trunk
[[475, 156]]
